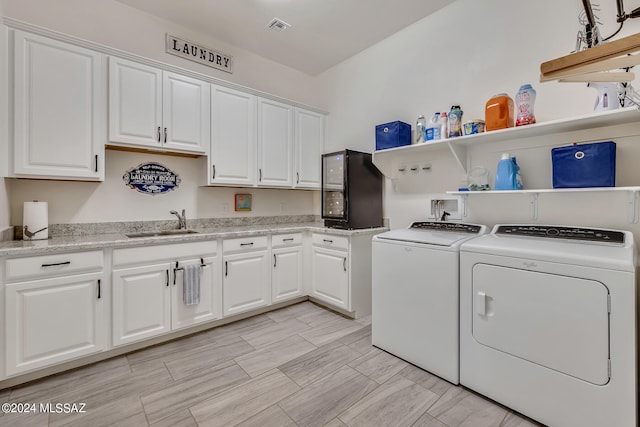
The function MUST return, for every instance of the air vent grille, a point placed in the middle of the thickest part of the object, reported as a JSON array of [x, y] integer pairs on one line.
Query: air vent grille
[[277, 24]]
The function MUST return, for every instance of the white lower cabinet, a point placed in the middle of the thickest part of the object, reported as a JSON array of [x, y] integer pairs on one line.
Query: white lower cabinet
[[246, 280], [148, 297], [341, 271], [141, 302], [55, 316], [286, 273], [330, 281]]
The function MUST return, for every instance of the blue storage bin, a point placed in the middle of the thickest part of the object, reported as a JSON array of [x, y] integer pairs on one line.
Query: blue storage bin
[[584, 165], [393, 134]]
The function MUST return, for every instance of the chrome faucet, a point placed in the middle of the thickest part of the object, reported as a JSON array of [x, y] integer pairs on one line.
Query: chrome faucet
[[182, 218]]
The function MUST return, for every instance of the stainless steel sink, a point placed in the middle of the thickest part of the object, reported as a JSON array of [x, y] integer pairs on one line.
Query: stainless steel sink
[[161, 233]]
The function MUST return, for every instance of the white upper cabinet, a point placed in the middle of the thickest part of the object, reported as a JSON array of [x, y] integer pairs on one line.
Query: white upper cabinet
[[152, 108], [232, 160], [309, 146], [275, 144], [58, 114]]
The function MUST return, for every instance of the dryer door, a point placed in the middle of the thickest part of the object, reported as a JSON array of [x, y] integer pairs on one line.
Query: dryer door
[[559, 322]]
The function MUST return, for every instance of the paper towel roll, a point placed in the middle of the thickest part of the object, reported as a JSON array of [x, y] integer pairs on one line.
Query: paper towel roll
[[35, 220]]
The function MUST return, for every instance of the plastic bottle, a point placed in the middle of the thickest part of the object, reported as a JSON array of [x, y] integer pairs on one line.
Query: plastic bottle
[[433, 128], [525, 99], [421, 128], [444, 125], [455, 121], [507, 175]]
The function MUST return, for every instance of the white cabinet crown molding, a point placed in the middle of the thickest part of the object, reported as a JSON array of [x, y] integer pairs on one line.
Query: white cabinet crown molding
[[20, 25]]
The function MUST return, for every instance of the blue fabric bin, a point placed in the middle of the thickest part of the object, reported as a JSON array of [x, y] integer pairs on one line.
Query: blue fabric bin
[[393, 134], [584, 165]]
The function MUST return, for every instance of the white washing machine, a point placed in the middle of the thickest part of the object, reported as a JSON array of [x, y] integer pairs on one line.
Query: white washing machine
[[415, 294], [548, 323]]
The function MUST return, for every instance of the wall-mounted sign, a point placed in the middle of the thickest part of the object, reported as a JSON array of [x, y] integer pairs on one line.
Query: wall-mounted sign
[[151, 178], [199, 54]]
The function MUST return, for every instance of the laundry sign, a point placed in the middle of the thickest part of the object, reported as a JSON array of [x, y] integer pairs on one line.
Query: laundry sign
[[200, 54], [151, 178]]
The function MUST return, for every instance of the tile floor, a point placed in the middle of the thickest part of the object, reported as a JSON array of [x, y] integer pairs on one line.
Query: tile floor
[[298, 366]]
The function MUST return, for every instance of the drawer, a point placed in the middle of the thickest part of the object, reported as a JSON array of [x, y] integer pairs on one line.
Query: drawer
[[53, 265], [279, 240], [245, 244], [330, 241], [159, 253]]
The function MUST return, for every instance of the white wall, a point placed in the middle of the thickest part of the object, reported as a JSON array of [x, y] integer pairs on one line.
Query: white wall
[[464, 54], [113, 24], [112, 200]]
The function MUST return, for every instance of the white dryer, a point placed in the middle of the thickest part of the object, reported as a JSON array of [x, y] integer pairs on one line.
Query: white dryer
[[415, 293], [548, 323]]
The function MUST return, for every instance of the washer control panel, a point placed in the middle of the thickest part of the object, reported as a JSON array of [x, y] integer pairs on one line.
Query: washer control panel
[[446, 226], [573, 233]]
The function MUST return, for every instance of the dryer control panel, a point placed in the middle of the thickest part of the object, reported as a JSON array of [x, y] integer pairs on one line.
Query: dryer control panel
[[446, 226], [573, 233]]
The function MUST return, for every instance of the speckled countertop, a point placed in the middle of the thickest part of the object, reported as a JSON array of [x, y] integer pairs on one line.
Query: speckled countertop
[[116, 240]]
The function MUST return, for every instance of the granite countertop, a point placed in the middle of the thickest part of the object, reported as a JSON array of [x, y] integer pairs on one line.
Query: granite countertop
[[117, 240]]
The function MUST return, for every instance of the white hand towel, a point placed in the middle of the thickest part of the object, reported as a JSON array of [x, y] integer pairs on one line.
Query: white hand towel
[[191, 284]]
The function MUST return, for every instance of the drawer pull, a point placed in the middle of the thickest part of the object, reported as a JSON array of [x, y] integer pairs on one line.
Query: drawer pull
[[328, 241], [246, 244], [289, 239], [56, 264]]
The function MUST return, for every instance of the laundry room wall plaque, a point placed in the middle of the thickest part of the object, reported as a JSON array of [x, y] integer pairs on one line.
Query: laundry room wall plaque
[[200, 54], [151, 178]]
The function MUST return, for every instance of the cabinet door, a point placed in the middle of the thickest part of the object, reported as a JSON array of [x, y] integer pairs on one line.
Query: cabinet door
[[210, 305], [275, 144], [330, 279], [309, 146], [59, 98], [233, 137], [245, 282], [186, 113], [141, 303], [135, 103], [286, 278], [53, 320]]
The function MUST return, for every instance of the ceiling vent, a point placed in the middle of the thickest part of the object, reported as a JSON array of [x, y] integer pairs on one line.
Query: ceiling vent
[[278, 25]]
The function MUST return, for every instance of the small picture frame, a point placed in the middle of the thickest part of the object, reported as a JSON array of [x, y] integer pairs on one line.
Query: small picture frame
[[243, 202]]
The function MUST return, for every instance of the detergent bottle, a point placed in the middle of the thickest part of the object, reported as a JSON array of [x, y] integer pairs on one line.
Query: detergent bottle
[[507, 175]]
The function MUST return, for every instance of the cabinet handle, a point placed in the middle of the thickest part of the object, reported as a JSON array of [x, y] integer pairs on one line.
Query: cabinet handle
[[167, 276], [297, 177], [328, 241], [260, 173], [56, 264], [165, 134], [226, 268], [344, 263], [99, 290], [288, 239], [213, 170], [246, 244], [274, 260], [158, 133], [96, 163]]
